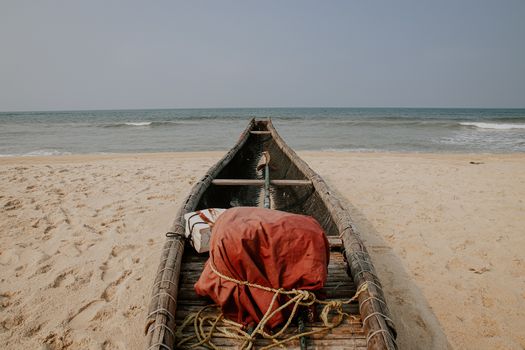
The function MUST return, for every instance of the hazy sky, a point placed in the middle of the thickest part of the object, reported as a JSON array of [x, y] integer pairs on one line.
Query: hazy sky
[[58, 55]]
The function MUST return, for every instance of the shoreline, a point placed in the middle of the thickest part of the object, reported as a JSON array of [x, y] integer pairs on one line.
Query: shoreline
[[82, 234], [188, 154]]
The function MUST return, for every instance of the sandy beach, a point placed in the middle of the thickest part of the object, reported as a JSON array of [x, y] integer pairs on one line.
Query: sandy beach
[[81, 237]]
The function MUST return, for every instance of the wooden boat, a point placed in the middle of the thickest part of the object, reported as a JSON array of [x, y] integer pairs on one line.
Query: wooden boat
[[235, 181]]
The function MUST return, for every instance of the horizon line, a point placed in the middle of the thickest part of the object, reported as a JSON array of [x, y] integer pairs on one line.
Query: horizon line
[[273, 107]]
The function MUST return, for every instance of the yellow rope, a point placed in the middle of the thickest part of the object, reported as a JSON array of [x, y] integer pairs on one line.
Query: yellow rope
[[223, 328]]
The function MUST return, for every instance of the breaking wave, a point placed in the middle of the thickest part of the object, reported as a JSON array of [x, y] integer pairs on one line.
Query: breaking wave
[[497, 126], [38, 153], [138, 124]]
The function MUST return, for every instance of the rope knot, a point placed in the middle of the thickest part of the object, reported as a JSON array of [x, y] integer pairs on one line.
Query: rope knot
[[335, 304], [305, 295]]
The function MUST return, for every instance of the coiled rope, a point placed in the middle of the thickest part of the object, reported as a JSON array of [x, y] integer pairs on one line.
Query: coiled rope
[[221, 327]]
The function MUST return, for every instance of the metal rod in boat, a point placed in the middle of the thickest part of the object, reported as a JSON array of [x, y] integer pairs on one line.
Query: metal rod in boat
[[266, 180]]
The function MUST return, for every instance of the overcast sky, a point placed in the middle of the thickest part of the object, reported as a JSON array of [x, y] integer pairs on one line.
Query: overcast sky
[[63, 55]]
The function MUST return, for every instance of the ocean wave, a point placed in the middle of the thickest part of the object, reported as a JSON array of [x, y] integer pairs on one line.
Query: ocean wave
[[376, 123], [37, 153], [139, 124], [497, 126], [45, 152]]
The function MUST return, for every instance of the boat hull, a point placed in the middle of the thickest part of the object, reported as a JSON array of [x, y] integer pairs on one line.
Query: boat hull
[[298, 189]]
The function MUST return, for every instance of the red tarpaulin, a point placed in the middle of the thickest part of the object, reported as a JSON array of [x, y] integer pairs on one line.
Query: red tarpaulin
[[267, 247]]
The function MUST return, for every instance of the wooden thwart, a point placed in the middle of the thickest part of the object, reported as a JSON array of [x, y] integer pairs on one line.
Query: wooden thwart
[[250, 182], [335, 242]]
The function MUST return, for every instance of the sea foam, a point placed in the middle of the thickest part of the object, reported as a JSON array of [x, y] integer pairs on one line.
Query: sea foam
[[37, 153], [138, 123], [498, 126], [45, 152]]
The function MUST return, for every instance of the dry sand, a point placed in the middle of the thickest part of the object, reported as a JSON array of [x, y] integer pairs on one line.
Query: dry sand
[[81, 236]]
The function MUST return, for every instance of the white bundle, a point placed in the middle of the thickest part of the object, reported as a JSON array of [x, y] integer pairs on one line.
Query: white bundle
[[198, 227]]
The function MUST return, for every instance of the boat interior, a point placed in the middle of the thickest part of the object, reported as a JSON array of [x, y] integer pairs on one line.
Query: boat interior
[[294, 198]]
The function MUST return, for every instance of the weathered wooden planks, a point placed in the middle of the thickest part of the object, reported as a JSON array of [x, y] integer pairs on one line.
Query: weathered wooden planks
[[339, 285]]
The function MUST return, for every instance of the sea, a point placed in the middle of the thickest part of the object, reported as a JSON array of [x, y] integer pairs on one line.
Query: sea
[[434, 130]]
